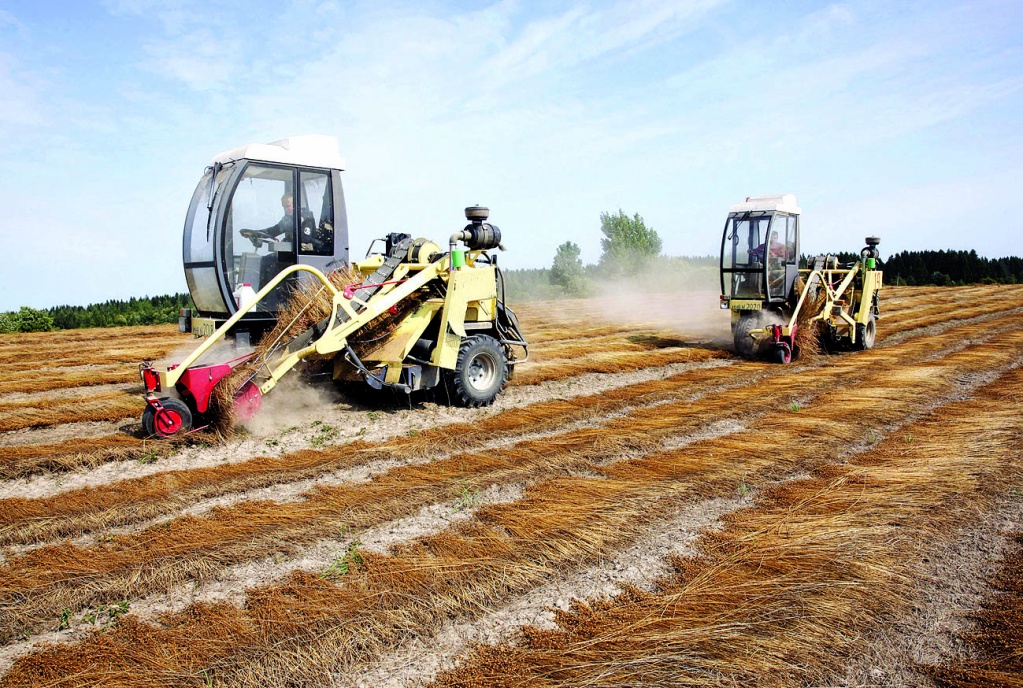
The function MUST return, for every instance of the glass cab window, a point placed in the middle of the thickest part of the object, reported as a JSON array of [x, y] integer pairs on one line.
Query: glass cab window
[[316, 224], [782, 256], [743, 255], [259, 232], [200, 272], [776, 254]]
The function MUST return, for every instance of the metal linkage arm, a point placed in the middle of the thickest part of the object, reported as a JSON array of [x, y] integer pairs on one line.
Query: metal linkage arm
[[832, 294], [335, 337], [172, 376]]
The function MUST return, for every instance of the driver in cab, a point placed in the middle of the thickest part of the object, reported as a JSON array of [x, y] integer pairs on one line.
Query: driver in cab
[[283, 227], [774, 249]]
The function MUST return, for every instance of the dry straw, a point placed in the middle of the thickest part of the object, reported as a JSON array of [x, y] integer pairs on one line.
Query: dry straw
[[80, 511], [508, 548], [792, 589], [20, 461], [107, 406], [33, 380], [76, 512]]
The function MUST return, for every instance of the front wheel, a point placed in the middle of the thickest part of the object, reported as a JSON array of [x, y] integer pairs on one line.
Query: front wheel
[[173, 418], [745, 345], [480, 374], [781, 353]]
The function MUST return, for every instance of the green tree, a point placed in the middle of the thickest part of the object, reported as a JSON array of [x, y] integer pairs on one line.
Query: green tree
[[567, 270], [32, 320], [8, 323], [628, 244]]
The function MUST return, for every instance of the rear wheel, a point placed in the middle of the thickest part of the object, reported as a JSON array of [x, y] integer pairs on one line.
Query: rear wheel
[[865, 334], [480, 374], [172, 419]]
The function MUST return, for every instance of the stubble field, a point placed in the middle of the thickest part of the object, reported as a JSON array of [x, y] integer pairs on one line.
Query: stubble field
[[640, 508]]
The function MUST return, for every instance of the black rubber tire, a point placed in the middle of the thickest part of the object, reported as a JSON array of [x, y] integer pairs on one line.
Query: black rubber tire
[[746, 346], [147, 421], [866, 333], [480, 374], [780, 355], [830, 341], [173, 406]]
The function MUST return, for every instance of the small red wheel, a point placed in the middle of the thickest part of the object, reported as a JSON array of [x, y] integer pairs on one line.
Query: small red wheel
[[171, 419]]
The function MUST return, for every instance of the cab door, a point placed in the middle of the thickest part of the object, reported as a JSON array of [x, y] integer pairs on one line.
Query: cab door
[[258, 230]]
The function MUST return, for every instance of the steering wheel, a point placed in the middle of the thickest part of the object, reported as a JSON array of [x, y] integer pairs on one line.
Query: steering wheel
[[256, 236]]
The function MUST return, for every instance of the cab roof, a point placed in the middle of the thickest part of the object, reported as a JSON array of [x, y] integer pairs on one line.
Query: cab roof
[[311, 150], [785, 203]]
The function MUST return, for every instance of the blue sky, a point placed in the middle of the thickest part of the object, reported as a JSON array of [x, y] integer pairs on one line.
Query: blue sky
[[898, 119]]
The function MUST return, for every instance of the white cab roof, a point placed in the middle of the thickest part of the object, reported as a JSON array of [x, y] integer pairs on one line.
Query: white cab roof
[[312, 150], [785, 203]]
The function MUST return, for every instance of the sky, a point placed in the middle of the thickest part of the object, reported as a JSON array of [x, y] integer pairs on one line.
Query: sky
[[900, 119]]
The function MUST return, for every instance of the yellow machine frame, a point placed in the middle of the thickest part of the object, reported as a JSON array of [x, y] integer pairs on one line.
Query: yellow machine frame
[[470, 303], [842, 293]]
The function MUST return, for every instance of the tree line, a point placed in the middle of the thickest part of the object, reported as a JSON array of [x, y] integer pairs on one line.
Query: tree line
[[631, 251], [948, 268], [941, 268], [148, 310]]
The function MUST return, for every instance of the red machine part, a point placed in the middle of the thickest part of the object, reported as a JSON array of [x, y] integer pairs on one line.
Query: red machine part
[[349, 290], [168, 416], [247, 401], [784, 345], [150, 378], [200, 381]]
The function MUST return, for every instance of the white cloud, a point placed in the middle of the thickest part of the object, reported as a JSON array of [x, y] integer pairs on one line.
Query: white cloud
[[201, 59]]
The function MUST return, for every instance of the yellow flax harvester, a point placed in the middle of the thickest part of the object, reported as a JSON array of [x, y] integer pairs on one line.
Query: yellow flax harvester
[[771, 298], [267, 222]]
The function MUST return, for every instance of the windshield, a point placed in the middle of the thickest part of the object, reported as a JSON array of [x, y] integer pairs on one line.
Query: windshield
[[744, 240], [259, 231], [742, 255]]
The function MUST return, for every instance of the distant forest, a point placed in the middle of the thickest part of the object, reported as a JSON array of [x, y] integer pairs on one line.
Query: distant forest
[[914, 268], [946, 268], [155, 310]]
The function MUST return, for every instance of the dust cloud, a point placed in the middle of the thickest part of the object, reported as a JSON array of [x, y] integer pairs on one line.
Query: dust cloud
[[293, 402], [223, 351], [690, 311]]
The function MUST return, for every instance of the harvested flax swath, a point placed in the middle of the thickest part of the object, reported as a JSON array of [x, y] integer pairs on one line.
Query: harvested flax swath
[[561, 522]]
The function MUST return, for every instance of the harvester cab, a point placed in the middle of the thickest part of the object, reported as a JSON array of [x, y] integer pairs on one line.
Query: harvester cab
[[771, 298], [257, 210], [760, 251], [266, 254]]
